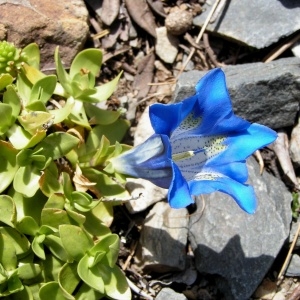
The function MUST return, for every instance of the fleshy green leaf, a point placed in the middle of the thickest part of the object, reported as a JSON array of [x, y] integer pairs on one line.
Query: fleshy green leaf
[[34, 121], [28, 271], [54, 244], [38, 247], [75, 241], [68, 279], [49, 183], [62, 75], [62, 113], [32, 73], [21, 139], [5, 80], [8, 212], [11, 97], [43, 89], [20, 242], [5, 117], [100, 116], [86, 292], [51, 290], [8, 166], [32, 53], [78, 115], [26, 180], [57, 144], [28, 226], [54, 217], [103, 92], [8, 257], [88, 60]]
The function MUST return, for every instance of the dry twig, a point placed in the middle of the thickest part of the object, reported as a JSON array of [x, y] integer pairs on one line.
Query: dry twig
[[199, 37], [210, 51]]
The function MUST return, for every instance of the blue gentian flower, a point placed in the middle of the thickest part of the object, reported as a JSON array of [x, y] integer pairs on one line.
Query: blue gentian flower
[[199, 146]]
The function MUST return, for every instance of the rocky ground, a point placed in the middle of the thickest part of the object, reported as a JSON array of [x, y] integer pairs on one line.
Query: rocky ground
[[215, 251]]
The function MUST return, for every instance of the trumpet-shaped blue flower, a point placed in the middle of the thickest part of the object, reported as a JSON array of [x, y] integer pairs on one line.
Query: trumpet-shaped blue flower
[[199, 146]]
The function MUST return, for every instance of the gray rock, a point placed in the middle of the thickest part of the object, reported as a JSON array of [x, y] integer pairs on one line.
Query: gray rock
[[255, 23], [167, 293], [236, 247], [166, 46], [163, 239], [294, 266], [266, 93]]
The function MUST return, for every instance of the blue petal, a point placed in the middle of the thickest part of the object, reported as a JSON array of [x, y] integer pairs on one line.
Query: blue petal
[[243, 194], [241, 145], [179, 194], [150, 160], [215, 104], [166, 118]]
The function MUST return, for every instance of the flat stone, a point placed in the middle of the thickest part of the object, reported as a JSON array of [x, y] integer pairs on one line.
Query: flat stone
[[48, 23], [167, 293], [294, 266], [166, 46], [266, 93], [238, 248], [163, 240], [253, 22]]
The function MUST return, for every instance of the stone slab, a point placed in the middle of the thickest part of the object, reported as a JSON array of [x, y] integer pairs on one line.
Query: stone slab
[[266, 93]]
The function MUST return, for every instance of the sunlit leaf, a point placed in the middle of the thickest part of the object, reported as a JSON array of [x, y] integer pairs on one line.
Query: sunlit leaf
[[32, 53], [26, 180], [5, 80], [103, 92], [8, 166], [57, 144], [62, 113], [22, 139], [88, 60], [75, 241], [11, 97], [8, 212], [68, 279], [5, 117], [28, 226], [51, 290], [28, 271], [32, 73], [78, 115], [62, 75]]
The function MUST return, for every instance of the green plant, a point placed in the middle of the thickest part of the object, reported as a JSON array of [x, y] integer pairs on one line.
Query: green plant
[[55, 144]]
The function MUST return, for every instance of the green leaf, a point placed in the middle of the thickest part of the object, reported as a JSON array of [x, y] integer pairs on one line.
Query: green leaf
[[79, 218], [62, 75], [32, 73], [34, 121], [75, 241], [114, 132], [88, 60], [110, 244], [100, 116], [101, 153], [8, 256], [62, 113], [5, 80], [38, 247], [105, 185], [49, 183], [28, 271], [78, 115], [51, 290], [23, 87], [8, 212], [54, 217], [54, 244], [43, 89], [20, 242], [8, 166], [115, 282], [103, 92], [26, 180], [11, 97], [32, 53], [86, 292], [25, 294], [5, 117], [57, 144], [51, 267], [28, 226], [90, 276], [14, 284], [21, 139], [68, 279]]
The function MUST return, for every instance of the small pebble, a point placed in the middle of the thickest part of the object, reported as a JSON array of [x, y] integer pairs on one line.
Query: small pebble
[[179, 22]]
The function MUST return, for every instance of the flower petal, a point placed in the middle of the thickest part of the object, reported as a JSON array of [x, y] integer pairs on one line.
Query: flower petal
[[179, 195], [209, 182], [166, 118], [240, 145], [150, 160]]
